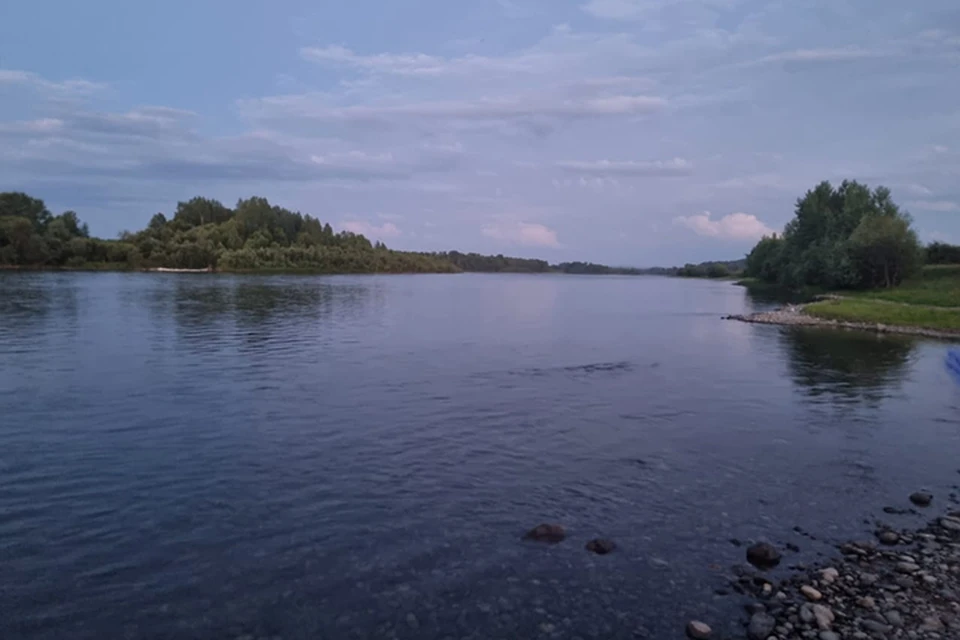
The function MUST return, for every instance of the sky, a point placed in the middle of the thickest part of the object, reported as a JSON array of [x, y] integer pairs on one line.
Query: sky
[[629, 132]]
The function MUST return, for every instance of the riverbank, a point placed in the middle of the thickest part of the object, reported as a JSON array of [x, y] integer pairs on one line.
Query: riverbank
[[832, 317], [903, 584], [928, 306]]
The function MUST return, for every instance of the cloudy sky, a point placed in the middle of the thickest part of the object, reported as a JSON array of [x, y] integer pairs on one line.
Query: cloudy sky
[[623, 131]]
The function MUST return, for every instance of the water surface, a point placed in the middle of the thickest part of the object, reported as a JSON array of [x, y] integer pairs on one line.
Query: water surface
[[353, 457]]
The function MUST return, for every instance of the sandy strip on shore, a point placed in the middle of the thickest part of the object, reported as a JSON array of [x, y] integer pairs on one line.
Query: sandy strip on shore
[[794, 315]]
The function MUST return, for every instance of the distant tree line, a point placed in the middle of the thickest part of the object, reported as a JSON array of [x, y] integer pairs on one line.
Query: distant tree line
[[252, 236], [713, 269], [846, 237]]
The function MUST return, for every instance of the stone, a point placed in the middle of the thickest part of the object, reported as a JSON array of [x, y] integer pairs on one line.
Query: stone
[[867, 603], [806, 614], [894, 618], [875, 627], [932, 623], [888, 537], [761, 626], [949, 523], [829, 575], [824, 616], [829, 635], [763, 556], [810, 593], [600, 546], [921, 498], [907, 567], [549, 533], [697, 630]]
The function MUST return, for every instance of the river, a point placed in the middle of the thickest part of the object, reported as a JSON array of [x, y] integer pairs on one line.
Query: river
[[216, 456]]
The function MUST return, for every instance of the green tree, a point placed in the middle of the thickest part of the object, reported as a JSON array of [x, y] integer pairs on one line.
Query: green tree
[[884, 250]]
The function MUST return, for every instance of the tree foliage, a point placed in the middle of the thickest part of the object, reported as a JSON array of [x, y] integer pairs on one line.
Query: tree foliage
[[942, 253], [844, 237]]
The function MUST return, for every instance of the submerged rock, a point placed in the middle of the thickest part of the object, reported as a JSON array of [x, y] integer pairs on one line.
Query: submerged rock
[[600, 546], [921, 498], [549, 533], [763, 556]]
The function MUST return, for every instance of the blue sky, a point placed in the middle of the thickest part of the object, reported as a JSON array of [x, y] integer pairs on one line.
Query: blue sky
[[623, 131]]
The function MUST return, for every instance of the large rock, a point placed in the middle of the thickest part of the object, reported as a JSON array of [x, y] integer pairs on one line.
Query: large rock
[[763, 556], [697, 630], [550, 533], [761, 626], [600, 546], [824, 616]]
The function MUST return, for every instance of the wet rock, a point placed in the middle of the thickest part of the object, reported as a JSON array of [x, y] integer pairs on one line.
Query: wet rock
[[829, 575], [828, 635], [761, 626], [600, 546], [549, 533], [950, 523], [824, 616], [894, 618], [763, 556], [932, 623], [907, 567], [697, 630], [921, 498], [810, 593], [888, 537], [872, 626]]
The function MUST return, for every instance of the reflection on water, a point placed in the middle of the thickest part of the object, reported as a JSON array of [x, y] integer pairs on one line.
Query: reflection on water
[[846, 364]]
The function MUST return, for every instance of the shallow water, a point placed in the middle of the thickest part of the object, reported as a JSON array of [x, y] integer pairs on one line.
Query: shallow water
[[353, 457]]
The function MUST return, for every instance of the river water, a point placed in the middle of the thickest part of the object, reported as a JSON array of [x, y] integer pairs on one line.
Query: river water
[[209, 456]]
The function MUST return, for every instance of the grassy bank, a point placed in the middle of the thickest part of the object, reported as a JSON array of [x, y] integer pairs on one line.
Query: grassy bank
[[931, 301], [869, 311]]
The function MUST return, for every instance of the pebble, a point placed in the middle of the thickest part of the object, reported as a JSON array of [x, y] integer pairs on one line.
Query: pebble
[[810, 593], [894, 618], [875, 627], [829, 575], [761, 626], [907, 567], [888, 537], [824, 616], [828, 635], [697, 630], [867, 603]]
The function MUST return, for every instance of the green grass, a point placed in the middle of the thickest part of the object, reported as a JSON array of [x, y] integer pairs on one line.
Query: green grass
[[937, 286], [880, 312]]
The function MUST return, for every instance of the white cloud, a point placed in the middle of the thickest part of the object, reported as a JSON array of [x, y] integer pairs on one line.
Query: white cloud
[[836, 54], [734, 226], [42, 125], [372, 231], [522, 233], [674, 167], [423, 65], [66, 87], [940, 206]]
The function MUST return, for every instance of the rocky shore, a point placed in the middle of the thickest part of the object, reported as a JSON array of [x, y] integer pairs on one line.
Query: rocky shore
[[902, 584], [794, 315]]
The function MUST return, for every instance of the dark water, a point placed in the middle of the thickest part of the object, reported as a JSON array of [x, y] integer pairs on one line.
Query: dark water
[[357, 457]]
